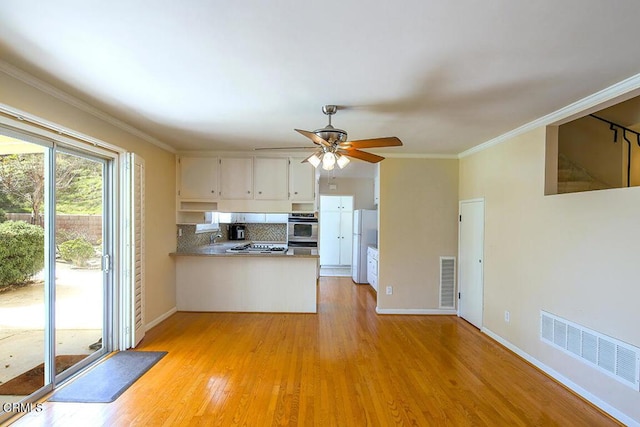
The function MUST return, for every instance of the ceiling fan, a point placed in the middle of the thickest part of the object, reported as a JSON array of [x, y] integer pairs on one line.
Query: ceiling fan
[[333, 147]]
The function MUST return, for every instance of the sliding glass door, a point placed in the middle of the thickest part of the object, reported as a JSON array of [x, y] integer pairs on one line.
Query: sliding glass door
[[80, 280], [23, 309], [55, 281]]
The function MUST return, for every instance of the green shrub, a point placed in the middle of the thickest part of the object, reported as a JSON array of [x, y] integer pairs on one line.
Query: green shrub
[[3, 216], [21, 252], [77, 251]]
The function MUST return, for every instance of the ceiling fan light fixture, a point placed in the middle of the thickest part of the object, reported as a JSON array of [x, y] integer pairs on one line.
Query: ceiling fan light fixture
[[328, 161], [314, 160], [332, 146], [342, 161]]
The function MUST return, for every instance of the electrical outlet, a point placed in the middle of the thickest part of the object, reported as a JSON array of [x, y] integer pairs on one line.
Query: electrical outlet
[[507, 316], [179, 232], [389, 290]]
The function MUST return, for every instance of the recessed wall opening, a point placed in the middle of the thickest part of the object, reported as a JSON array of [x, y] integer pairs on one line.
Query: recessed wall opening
[[598, 151]]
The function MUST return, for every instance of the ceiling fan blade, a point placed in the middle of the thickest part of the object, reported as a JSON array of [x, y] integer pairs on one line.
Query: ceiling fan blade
[[312, 136], [362, 155], [391, 141]]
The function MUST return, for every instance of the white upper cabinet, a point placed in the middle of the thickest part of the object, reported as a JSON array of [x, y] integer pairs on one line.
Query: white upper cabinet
[[236, 182], [270, 178], [337, 203], [301, 180], [198, 178], [236, 178]]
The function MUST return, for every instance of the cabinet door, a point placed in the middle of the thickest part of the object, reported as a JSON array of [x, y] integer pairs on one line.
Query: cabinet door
[[198, 177], [372, 267], [236, 178], [346, 240], [330, 242], [346, 204], [301, 180], [330, 204], [270, 178], [376, 190]]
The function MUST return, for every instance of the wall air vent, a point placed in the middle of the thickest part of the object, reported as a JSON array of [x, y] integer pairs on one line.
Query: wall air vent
[[608, 355], [447, 282]]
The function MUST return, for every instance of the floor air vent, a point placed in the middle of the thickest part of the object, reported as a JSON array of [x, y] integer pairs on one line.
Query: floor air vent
[[447, 282], [609, 355]]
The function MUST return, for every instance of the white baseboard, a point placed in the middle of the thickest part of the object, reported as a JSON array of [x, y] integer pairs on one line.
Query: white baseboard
[[620, 416], [423, 311], [159, 319]]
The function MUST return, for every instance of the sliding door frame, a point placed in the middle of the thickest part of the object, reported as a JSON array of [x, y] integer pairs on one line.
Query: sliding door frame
[[108, 277], [32, 129]]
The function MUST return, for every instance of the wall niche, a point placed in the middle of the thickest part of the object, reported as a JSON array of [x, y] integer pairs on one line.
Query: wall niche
[[598, 151]]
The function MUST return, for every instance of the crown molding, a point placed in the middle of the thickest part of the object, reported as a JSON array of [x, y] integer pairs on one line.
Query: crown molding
[[42, 86], [621, 88], [417, 156]]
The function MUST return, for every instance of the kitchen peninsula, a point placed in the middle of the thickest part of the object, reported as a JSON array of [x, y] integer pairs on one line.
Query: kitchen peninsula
[[210, 278]]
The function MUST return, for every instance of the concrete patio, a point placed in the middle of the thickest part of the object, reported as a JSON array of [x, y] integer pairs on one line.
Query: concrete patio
[[79, 316]]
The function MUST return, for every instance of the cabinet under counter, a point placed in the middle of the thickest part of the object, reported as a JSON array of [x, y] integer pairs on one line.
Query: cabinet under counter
[[245, 283]]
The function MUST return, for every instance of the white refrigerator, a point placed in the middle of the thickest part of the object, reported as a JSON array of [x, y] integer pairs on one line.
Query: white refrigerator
[[365, 233]]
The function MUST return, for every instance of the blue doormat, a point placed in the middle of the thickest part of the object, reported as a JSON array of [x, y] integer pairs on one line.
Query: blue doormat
[[108, 380]]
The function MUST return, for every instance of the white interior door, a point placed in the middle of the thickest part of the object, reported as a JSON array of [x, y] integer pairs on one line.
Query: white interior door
[[471, 258]]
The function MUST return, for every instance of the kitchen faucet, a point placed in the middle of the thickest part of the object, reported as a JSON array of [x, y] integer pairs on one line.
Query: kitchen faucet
[[213, 237]]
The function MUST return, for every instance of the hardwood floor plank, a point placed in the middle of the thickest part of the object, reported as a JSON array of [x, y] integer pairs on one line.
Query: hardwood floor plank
[[343, 366]]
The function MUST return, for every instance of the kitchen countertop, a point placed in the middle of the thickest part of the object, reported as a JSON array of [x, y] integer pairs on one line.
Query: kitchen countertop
[[220, 249]]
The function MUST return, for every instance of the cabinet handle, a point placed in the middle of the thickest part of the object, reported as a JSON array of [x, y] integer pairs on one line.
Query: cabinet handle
[[248, 192], [213, 191], [259, 192], [295, 192]]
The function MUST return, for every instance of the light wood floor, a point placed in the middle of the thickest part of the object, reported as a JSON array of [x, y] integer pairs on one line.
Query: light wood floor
[[344, 366]]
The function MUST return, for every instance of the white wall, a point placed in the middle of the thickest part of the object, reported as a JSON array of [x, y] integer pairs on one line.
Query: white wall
[[574, 255]]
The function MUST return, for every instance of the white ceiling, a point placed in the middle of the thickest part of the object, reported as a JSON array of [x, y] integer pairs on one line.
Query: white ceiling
[[443, 76]]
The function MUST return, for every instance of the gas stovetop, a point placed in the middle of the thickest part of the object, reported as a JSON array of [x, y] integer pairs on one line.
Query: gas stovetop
[[264, 248]]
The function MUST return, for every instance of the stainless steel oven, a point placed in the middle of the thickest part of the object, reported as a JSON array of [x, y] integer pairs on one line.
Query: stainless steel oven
[[302, 230]]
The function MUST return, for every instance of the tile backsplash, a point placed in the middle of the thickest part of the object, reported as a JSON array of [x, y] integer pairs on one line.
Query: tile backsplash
[[256, 232]]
